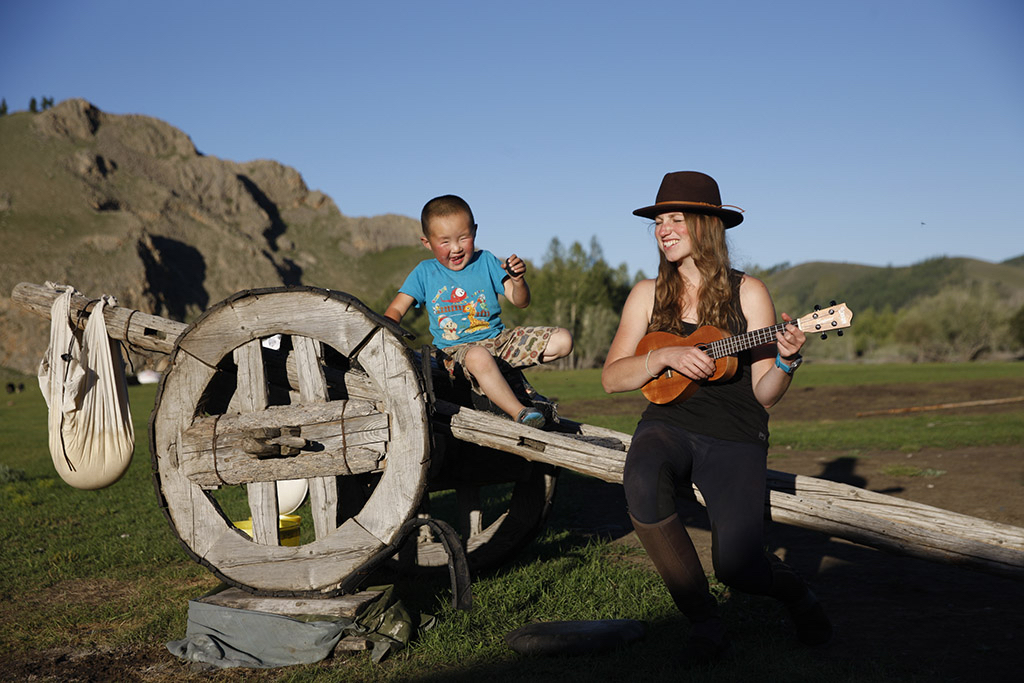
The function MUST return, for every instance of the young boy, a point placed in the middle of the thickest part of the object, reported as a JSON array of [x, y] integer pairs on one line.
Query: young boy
[[460, 288]]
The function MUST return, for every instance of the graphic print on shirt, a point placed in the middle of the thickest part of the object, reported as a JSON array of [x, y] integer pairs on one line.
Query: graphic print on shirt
[[458, 313]]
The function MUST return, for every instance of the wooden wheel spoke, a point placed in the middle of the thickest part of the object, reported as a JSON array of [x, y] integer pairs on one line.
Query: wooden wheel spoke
[[323, 491], [251, 396], [469, 512]]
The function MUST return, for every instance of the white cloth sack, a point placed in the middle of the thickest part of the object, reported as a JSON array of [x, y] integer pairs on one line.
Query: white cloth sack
[[82, 378]]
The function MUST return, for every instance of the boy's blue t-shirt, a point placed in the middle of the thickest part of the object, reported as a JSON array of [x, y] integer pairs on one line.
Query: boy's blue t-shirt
[[462, 305]]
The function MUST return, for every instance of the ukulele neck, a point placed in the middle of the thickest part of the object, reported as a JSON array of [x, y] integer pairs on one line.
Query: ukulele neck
[[730, 346]]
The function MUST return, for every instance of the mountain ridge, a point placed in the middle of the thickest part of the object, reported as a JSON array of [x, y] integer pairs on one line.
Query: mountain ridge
[[126, 205]]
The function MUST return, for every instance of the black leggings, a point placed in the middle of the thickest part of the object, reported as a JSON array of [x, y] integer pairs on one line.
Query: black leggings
[[665, 458]]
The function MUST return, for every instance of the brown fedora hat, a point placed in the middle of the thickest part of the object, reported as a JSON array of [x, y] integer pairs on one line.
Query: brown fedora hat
[[691, 192]]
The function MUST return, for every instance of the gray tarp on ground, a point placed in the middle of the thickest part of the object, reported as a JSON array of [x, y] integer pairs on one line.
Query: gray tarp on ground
[[231, 637]]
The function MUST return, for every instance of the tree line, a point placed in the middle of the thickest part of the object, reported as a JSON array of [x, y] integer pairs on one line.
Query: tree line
[[34, 106], [929, 312]]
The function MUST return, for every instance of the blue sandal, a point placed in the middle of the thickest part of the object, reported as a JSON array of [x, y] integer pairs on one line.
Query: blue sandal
[[531, 417]]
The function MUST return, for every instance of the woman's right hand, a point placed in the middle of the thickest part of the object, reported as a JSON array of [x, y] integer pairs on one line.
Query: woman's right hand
[[687, 360]]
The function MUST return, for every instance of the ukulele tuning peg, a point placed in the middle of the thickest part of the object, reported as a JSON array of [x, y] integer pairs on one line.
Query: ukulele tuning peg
[[817, 307], [839, 333], [832, 303], [824, 335]]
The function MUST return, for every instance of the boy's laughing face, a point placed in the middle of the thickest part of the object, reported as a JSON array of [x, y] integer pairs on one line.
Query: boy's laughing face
[[452, 239]]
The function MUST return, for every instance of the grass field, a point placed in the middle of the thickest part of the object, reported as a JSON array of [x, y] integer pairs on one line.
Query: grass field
[[102, 571]]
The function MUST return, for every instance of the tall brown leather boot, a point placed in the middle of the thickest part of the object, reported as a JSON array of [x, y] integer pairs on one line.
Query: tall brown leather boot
[[672, 552]]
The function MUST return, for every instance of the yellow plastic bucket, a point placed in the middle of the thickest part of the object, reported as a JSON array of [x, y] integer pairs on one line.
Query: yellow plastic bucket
[[288, 528]]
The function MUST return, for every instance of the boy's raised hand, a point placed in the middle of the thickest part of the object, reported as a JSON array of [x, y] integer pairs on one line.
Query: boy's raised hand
[[515, 267]]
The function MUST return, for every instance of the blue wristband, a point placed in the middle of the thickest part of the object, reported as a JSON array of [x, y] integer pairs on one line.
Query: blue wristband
[[788, 369]]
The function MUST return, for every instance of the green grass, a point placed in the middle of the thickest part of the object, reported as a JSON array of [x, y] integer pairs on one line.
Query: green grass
[[904, 432], [102, 569], [911, 471], [59, 540], [851, 374]]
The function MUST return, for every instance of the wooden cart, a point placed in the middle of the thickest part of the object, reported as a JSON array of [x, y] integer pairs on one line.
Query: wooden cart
[[345, 404]]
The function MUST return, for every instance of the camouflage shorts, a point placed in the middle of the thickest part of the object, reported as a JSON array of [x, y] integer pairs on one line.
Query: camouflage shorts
[[520, 347]]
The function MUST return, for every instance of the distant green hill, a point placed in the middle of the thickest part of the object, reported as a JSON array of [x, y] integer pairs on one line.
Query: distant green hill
[[801, 287], [942, 309]]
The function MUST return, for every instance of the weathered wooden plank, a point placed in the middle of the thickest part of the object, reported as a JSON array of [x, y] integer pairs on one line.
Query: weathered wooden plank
[[255, 315], [323, 491], [251, 396], [353, 644], [895, 524], [215, 451], [144, 330], [320, 566], [190, 510], [470, 514], [844, 511], [503, 434], [343, 437], [342, 606], [238, 470]]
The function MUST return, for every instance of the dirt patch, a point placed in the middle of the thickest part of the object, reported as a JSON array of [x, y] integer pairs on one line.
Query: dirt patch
[[840, 403], [938, 621], [86, 665]]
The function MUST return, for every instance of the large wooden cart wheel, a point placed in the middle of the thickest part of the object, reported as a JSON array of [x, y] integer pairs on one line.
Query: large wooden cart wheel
[[370, 428]]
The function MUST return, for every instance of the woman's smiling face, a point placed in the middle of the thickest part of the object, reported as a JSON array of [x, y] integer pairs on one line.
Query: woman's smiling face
[[673, 235]]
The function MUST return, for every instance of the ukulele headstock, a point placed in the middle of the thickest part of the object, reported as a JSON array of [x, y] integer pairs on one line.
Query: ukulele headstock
[[833, 318]]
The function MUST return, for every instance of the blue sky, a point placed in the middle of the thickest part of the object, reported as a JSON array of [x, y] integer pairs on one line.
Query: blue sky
[[874, 132]]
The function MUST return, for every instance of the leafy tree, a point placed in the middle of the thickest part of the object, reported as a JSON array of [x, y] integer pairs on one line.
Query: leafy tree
[[957, 324], [1017, 327], [762, 273], [873, 330], [3, 107], [32, 106], [578, 290], [47, 103]]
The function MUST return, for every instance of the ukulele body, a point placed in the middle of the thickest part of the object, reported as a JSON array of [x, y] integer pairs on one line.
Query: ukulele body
[[672, 386]]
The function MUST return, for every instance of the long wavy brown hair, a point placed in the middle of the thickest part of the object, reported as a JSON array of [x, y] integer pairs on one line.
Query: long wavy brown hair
[[718, 304]]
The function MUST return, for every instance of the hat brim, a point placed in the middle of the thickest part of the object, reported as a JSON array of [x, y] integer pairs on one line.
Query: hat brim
[[729, 217]]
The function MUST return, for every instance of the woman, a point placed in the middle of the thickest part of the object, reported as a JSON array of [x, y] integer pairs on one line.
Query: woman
[[718, 437]]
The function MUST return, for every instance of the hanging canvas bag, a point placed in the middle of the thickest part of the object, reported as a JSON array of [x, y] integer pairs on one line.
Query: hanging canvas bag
[[83, 381]]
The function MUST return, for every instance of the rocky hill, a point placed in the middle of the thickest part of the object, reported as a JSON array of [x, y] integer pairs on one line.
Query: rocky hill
[[126, 205]]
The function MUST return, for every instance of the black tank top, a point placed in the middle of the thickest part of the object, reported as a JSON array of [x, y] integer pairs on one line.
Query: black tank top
[[724, 409]]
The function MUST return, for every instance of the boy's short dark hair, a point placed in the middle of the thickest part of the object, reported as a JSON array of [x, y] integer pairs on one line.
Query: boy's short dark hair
[[445, 205]]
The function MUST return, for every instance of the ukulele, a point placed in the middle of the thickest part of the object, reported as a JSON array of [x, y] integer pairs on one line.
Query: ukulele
[[672, 386]]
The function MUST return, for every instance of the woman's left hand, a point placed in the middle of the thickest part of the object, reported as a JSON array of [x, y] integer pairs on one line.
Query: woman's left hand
[[791, 339]]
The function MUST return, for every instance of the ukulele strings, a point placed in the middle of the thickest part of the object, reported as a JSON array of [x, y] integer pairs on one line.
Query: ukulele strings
[[732, 345]]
